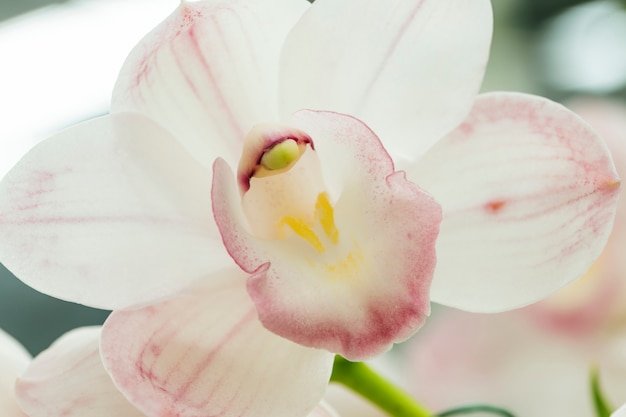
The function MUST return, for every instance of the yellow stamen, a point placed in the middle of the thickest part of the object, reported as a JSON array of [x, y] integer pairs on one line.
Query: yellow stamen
[[304, 231], [326, 214], [346, 267]]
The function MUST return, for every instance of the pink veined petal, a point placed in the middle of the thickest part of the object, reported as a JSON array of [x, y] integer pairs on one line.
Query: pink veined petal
[[110, 213], [68, 380], [529, 194], [608, 118], [369, 289], [597, 300], [14, 359], [205, 353], [410, 69], [208, 73]]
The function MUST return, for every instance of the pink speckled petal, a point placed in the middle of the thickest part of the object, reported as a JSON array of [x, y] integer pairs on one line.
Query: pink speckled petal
[[14, 359], [206, 354], [529, 194], [365, 291], [209, 72], [410, 69], [68, 380], [110, 213]]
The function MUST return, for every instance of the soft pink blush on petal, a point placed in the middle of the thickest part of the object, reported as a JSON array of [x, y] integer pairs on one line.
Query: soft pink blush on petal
[[461, 358], [371, 288], [109, 213], [410, 69], [596, 303], [14, 359], [205, 353], [529, 194], [68, 380], [209, 72]]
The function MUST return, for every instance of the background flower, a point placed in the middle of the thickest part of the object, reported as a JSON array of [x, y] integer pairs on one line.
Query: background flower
[[13, 361]]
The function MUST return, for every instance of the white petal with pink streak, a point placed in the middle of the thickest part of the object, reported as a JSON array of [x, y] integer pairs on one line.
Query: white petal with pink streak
[[209, 72], [529, 195], [110, 213], [206, 353]]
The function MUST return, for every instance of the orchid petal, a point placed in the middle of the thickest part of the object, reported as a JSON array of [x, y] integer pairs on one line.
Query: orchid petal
[[209, 72], [409, 69], [370, 288], [14, 359], [205, 353], [529, 194], [621, 412], [68, 380], [13, 356], [110, 213], [504, 361], [323, 410]]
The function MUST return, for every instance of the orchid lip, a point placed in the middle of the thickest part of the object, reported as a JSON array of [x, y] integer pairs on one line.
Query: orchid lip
[[305, 234]]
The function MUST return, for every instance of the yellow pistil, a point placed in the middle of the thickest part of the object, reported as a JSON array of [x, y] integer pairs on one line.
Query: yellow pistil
[[303, 230], [325, 213]]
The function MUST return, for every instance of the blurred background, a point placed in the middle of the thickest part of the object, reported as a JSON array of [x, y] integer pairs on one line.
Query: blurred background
[[59, 60]]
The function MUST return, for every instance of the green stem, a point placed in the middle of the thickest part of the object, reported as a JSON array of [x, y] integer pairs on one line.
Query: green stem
[[361, 379], [601, 405]]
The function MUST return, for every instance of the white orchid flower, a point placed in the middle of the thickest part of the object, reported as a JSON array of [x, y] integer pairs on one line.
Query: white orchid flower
[[315, 107]]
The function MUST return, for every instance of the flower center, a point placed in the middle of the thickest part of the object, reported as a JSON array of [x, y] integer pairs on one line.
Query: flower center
[[284, 198], [324, 216]]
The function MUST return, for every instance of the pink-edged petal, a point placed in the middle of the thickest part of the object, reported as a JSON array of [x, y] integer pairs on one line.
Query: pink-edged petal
[[408, 68], [14, 359], [529, 194], [208, 73], [368, 289], [206, 354], [110, 213], [68, 380]]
